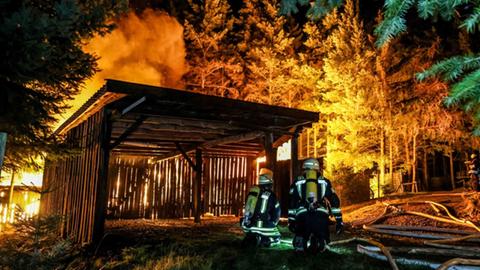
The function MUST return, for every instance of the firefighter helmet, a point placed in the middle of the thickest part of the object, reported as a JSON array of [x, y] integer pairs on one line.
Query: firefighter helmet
[[473, 156], [265, 176], [311, 164]]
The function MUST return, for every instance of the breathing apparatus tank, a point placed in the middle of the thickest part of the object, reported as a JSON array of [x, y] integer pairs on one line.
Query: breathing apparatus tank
[[311, 186], [251, 203]]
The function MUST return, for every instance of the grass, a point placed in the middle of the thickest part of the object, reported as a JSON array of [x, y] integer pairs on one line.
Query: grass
[[220, 248]]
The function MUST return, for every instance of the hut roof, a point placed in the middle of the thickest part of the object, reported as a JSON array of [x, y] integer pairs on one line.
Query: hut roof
[[163, 122]]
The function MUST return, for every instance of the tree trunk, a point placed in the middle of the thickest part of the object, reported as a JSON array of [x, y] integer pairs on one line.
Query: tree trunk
[[414, 164], [3, 144], [408, 164], [10, 211], [425, 169], [382, 163], [452, 174], [390, 150]]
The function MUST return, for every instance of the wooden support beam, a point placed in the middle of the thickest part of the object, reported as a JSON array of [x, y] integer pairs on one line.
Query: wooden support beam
[[134, 105], [221, 141], [269, 151], [101, 192], [294, 156], [186, 157], [156, 120], [150, 128], [198, 185], [127, 132], [232, 139]]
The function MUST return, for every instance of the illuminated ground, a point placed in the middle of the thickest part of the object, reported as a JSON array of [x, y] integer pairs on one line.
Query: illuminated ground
[[215, 244]]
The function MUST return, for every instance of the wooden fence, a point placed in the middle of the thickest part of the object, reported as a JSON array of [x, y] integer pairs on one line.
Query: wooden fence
[[164, 189]]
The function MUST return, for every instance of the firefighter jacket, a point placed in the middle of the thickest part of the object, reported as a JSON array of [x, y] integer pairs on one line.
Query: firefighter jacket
[[327, 200], [266, 214]]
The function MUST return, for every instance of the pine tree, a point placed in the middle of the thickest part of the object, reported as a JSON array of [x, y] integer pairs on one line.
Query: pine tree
[[462, 72], [214, 64], [347, 95], [43, 67], [275, 74]]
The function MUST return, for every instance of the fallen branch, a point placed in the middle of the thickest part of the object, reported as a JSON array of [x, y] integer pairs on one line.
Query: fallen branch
[[372, 242], [458, 261]]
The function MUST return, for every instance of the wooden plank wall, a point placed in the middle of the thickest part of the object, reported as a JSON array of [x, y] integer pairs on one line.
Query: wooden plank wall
[[73, 182], [137, 189]]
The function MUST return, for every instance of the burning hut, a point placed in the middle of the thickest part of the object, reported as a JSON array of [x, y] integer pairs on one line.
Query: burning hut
[[152, 152]]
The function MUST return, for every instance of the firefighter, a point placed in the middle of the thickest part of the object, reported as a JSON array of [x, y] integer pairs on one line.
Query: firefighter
[[312, 201], [261, 213]]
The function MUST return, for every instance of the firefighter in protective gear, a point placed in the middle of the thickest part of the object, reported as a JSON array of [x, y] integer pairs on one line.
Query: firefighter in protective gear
[[312, 201], [261, 213]]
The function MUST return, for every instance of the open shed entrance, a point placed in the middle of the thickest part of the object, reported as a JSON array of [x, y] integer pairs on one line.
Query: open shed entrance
[[140, 188], [153, 152]]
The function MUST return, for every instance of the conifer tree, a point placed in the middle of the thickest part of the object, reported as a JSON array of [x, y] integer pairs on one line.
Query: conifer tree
[[462, 72], [43, 67], [274, 72], [347, 94], [214, 64]]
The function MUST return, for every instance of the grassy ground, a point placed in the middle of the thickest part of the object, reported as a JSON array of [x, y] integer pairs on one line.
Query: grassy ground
[[215, 244]]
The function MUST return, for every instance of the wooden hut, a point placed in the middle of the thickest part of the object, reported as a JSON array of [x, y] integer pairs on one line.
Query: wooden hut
[[153, 152]]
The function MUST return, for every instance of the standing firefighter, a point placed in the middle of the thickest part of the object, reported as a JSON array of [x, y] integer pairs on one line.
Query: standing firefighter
[[312, 200], [261, 213]]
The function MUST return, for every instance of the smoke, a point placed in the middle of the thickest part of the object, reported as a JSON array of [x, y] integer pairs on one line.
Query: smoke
[[146, 48]]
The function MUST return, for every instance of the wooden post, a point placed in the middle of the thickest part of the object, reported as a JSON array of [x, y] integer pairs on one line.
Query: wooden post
[[197, 185], [269, 152], [294, 156], [101, 192]]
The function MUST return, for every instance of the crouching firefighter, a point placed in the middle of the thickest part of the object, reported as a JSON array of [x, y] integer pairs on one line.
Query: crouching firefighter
[[261, 213], [312, 201]]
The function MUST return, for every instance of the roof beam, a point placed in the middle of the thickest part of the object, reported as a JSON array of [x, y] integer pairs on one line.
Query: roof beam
[[221, 141], [185, 156], [128, 131]]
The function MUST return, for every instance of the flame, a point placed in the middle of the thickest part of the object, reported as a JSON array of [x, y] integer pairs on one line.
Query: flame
[[146, 48]]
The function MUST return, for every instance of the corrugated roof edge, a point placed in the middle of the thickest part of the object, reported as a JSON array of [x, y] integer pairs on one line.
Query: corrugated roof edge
[[65, 126]]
